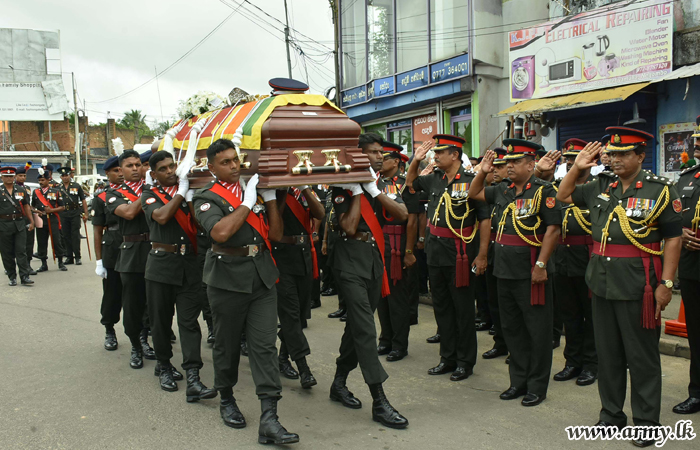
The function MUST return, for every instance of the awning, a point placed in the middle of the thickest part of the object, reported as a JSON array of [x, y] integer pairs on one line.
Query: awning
[[683, 72], [582, 99]]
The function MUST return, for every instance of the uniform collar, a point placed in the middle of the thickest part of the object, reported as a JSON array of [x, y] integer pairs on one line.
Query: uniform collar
[[459, 176], [637, 184]]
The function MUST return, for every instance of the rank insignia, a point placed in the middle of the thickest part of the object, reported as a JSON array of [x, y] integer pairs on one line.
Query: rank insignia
[[338, 200], [205, 207], [638, 185], [616, 139], [112, 200], [150, 201], [677, 205], [551, 201], [510, 149]]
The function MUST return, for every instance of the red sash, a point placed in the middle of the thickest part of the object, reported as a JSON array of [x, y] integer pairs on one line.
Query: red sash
[[46, 203], [103, 196], [184, 220], [304, 218], [376, 229], [126, 193]]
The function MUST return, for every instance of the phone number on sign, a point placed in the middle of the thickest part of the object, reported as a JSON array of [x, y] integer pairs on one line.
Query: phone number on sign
[[452, 70]]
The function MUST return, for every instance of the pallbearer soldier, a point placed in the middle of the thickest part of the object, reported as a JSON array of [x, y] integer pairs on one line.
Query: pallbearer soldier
[[529, 222], [48, 204], [203, 245], [20, 179], [108, 239], [131, 264], [631, 211], [75, 202], [452, 252], [358, 264], [297, 262], [689, 273], [14, 207], [399, 240], [241, 277]]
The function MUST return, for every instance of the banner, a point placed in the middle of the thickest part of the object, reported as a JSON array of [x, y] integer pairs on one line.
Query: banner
[[424, 128], [675, 139], [25, 101], [619, 44]]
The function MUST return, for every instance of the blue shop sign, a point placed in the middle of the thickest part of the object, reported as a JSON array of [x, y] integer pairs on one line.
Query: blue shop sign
[[354, 96], [384, 86], [412, 79], [452, 68]]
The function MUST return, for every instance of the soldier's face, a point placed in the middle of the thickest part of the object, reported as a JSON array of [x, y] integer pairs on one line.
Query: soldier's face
[[445, 158], [226, 166], [389, 165], [115, 176], [520, 169], [21, 178], [696, 150], [65, 177], [626, 164], [131, 168], [375, 153], [570, 162], [44, 182], [164, 172], [500, 173], [605, 159], [8, 179], [145, 167]]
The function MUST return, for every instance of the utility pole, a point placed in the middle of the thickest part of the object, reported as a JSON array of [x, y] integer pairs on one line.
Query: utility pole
[[336, 53], [77, 128], [286, 39]]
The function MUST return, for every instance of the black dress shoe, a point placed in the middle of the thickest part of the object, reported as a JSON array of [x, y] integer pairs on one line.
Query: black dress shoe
[[512, 393], [146, 349], [111, 340], [568, 373], [383, 350], [494, 353], [492, 330], [78, 262], [13, 282], [337, 314], [165, 377], [586, 378], [32, 272], [433, 339], [482, 326], [287, 370], [641, 443], [61, 267], [604, 424], [36, 255], [690, 406], [461, 373], [531, 399], [25, 280], [136, 360], [44, 267], [177, 376], [329, 292], [230, 413], [316, 303], [344, 317], [396, 355], [383, 412], [68, 261], [441, 369]]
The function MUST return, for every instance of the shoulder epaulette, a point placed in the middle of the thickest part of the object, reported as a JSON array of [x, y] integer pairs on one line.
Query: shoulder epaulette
[[542, 182], [690, 169], [607, 173], [657, 179]]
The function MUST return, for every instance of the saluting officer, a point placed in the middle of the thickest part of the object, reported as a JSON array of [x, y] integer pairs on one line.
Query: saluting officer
[[241, 277], [75, 202], [107, 240], [20, 179], [529, 221], [14, 207], [48, 203], [631, 211]]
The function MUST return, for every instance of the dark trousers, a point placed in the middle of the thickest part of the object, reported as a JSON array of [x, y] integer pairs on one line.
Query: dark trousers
[[42, 238], [162, 301], [203, 299], [111, 299], [557, 318], [422, 262], [256, 314], [359, 342], [528, 333], [413, 293], [70, 228], [499, 342], [483, 312], [133, 305], [577, 315], [290, 291], [690, 291], [394, 313], [13, 247], [623, 343], [30, 242], [315, 297], [454, 313]]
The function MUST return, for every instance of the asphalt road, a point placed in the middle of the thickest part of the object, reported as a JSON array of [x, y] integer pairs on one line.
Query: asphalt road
[[60, 389]]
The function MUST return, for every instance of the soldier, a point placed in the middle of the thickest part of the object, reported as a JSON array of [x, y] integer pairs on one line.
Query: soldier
[[107, 240], [455, 257], [203, 245], [394, 310], [74, 199], [297, 263], [689, 273], [631, 212], [14, 207], [20, 179], [528, 231], [48, 203], [241, 277], [146, 167], [131, 263]]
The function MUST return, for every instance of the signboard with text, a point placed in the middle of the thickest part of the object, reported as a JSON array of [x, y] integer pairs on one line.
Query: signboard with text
[[424, 128], [412, 79], [24, 101], [605, 47]]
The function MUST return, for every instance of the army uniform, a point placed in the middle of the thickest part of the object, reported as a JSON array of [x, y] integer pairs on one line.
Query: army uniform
[[31, 235], [622, 276], [321, 192], [13, 232], [53, 199], [203, 245], [73, 197]]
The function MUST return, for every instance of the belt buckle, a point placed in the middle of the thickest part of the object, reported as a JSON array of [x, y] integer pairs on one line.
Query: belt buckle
[[301, 239], [183, 249], [253, 250]]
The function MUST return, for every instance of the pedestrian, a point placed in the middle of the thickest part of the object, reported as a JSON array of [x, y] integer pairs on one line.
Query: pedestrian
[[14, 207], [75, 204], [48, 204]]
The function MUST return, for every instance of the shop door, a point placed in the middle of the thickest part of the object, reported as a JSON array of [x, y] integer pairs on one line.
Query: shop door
[[462, 127], [400, 133]]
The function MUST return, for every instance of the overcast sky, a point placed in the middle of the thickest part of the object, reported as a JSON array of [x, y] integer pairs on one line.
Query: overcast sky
[[113, 46]]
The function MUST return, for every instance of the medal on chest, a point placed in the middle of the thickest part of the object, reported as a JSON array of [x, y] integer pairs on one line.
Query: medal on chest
[[460, 190], [639, 208], [391, 191], [522, 206]]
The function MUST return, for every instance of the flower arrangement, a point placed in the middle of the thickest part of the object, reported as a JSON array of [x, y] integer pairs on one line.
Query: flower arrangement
[[200, 103]]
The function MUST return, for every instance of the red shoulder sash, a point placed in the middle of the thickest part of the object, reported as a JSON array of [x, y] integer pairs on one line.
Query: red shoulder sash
[[184, 220], [304, 218]]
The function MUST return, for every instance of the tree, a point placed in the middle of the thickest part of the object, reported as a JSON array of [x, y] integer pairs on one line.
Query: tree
[[162, 127], [133, 120]]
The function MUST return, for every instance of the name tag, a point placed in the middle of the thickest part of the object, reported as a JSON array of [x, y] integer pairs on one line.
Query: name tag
[[689, 188], [604, 197]]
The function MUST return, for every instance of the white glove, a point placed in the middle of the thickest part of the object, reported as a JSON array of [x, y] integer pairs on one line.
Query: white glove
[[149, 179], [183, 185], [371, 187], [250, 197], [100, 270], [355, 188], [268, 195], [189, 195]]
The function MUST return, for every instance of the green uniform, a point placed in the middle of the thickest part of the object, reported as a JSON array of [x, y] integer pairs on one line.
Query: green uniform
[[45, 232], [73, 196], [499, 342], [618, 275], [526, 311], [111, 241], [449, 261], [13, 231], [30, 234], [243, 297]]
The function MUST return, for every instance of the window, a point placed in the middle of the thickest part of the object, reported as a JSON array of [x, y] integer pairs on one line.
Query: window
[[400, 133], [379, 129], [449, 28], [380, 34], [411, 33], [462, 127], [352, 20]]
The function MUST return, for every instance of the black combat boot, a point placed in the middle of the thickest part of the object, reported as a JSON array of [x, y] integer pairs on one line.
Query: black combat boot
[[382, 411], [177, 376], [25, 280], [136, 361], [111, 339], [244, 345], [210, 328], [306, 377], [45, 267], [148, 352], [165, 376], [341, 393], [271, 431], [61, 266], [196, 390], [230, 413]]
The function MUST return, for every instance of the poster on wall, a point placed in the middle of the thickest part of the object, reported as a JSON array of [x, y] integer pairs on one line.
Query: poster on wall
[[424, 128], [623, 43], [675, 139]]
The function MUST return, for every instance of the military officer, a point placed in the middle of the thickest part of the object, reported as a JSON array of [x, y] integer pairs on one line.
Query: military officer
[[48, 203], [203, 245], [331, 234], [394, 310], [241, 277], [528, 231], [689, 273], [75, 202], [631, 212], [20, 179], [124, 203], [297, 263], [455, 256], [107, 240], [358, 264], [14, 207]]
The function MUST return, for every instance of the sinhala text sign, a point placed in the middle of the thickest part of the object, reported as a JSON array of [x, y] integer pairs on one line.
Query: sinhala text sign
[[619, 44], [24, 101]]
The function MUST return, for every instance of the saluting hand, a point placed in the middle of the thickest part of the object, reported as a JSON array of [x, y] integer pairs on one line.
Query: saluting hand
[[549, 161], [420, 152], [428, 169], [588, 156], [487, 162]]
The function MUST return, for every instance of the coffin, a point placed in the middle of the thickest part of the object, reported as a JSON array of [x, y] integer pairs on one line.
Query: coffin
[[289, 140]]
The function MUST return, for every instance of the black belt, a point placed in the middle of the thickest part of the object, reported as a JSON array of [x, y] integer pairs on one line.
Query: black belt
[[72, 207], [359, 236], [183, 249], [295, 240], [145, 237], [248, 250], [10, 217]]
